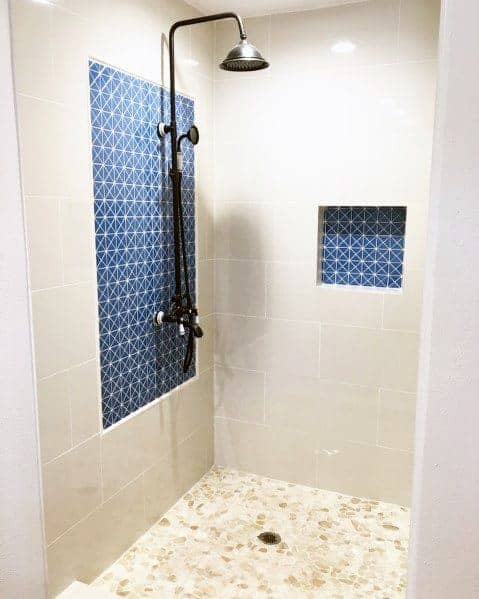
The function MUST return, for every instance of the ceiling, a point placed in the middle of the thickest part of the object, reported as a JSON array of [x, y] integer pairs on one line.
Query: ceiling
[[248, 8]]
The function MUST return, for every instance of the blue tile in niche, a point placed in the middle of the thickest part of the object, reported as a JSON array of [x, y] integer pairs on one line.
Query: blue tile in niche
[[134, 238], [363, 246]]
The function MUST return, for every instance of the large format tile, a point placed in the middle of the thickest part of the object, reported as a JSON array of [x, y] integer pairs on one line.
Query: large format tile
[[270, 451], [419, 29], [71, 487], [239, 394], [403, 311], [305, 41], [330, 411], [44, 152], [240, 341], [64, 327], [240, 287], [54, 416], [44, 241], [129, 449], [78, 245], [374, 472], [350, 355], [32, 47], [97, 540], [83, 390], [397, 416]]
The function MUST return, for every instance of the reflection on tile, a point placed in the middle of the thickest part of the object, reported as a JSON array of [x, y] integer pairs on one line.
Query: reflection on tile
[[207, 545]]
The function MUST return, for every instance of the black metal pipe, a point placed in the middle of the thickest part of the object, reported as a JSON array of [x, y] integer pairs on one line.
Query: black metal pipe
[[175, 174]]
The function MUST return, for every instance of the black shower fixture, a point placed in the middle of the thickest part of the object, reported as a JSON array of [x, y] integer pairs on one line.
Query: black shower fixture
[[243, 57]]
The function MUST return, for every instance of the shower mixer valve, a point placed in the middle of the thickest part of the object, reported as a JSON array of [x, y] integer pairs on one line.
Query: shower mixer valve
[[182, 311], [185, 318], [243, 57]]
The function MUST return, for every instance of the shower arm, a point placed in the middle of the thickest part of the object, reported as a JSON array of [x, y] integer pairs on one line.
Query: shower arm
[[172, 130]]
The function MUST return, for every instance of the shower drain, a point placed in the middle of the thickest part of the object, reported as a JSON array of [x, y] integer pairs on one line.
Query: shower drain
[[269, 538]]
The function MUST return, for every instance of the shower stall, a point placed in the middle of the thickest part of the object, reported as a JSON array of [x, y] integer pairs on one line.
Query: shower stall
[[268, 450]]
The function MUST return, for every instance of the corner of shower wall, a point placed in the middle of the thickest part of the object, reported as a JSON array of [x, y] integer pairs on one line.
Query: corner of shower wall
[[102, 489]]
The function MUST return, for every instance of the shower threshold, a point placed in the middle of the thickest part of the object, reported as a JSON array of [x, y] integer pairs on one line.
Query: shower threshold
[[332, 545]]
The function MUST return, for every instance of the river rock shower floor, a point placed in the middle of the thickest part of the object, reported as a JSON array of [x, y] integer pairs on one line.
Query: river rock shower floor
[[206, 545]]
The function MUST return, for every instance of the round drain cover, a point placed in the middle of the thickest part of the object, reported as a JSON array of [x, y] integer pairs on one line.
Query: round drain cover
[[269, 538]]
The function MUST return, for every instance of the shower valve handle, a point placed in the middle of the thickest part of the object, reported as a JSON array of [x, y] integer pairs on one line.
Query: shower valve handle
[[162, 130]]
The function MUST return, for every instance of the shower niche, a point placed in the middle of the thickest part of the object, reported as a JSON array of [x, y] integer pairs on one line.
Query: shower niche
[[361, 246]]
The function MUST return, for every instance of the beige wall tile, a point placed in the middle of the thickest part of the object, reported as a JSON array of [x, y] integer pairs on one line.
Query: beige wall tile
[[291, 291], [64, 326], [243, 231], [54, 416], [355, 308], [95, 542], [239, 394], [398, 362], [48, 331], [292, 347], [418, 31], [403, 311], [190, 408], [133, 444], [275, 452], [44, 151], [205, 226], [350, 355], [397, 416], [347, 412], [295, 232], [161, 487], [78, 246], [202, 50], [293, 401], [240, 341], [366, 471], [240, 166], [371, 26], [330, 411], [71, 486], [240, 287], [83, 387], [32, 48], [206, 345], [240, 104], [190, 459], [206, 287], [44, 242], [80, 324]]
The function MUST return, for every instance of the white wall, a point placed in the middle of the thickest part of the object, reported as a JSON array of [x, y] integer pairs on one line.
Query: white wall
[[317, 385], [444, 552], [21, 530]]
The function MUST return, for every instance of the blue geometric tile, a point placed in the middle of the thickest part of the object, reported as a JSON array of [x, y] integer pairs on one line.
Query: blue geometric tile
[[134, 237], [363, 246]]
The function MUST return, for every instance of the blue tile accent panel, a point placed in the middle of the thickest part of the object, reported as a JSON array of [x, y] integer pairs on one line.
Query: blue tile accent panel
[[134, 238], [363, 246]]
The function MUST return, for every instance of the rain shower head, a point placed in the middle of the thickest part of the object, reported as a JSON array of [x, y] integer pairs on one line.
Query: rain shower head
[[244, 57]]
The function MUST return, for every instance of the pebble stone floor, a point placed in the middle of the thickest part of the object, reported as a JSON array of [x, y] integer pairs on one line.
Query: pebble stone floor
[[333, 546]]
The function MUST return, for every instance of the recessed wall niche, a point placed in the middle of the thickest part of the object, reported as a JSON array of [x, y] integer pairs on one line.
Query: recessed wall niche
[[361, 246]]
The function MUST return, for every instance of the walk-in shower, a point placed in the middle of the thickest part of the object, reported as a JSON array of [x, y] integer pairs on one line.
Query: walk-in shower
[[242, 58]]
